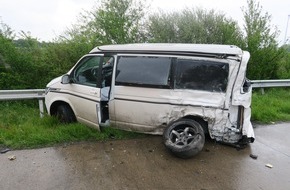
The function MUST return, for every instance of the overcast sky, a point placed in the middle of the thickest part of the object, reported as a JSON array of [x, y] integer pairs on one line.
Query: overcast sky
[[48, 19]]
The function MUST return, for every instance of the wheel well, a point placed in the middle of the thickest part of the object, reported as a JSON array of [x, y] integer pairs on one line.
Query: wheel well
[[53, 107], [200, 120]]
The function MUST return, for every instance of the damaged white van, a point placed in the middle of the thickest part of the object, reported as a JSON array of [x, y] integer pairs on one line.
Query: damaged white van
[[180, 91]]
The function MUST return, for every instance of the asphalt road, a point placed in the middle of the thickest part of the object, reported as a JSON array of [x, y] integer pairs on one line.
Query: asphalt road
[[146, 164]]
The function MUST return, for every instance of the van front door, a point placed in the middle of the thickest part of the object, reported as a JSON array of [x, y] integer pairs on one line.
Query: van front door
[[85, 89]]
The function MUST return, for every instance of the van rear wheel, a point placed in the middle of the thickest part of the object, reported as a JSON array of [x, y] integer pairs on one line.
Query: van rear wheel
[[184, 138], [65, 114]]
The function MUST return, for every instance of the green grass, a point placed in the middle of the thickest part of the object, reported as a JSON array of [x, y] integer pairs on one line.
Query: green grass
[[272, 106], [21, 127]]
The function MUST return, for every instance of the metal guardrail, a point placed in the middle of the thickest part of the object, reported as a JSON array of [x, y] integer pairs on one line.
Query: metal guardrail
[[270, 83], [24, 95]]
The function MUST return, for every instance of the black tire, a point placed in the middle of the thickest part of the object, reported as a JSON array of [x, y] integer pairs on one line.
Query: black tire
[[65, 114], [184, 138]]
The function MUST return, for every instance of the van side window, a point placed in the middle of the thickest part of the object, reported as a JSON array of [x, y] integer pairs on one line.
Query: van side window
[[87, 71], [204, 75], [143, 71]]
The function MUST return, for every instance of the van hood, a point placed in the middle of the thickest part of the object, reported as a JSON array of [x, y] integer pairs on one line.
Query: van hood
[[54, 81]]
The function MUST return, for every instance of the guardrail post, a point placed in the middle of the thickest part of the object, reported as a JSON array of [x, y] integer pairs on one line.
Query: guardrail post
[[25, 95], [262, 91], [41, 107]]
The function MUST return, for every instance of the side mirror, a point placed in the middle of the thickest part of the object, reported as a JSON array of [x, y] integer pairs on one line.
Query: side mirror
[[246, 86], [65, 79]]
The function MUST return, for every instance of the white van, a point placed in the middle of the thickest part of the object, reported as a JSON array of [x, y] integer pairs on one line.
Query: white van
[[180, 91]]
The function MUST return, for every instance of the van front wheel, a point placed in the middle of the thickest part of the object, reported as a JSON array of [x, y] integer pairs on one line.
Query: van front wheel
[[65, 114], [184, 138]]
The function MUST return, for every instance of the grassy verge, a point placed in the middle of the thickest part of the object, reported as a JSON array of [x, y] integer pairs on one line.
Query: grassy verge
[[21, 127], [273, 106]]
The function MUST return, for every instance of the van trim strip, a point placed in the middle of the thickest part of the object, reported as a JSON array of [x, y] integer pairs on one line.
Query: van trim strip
[[150, 102], [72, 94]]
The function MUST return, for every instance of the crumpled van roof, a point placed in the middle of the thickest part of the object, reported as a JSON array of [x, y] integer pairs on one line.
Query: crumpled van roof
[[171, 48]]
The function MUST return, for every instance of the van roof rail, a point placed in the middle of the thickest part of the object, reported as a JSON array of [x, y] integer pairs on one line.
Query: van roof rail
[[177, 48]]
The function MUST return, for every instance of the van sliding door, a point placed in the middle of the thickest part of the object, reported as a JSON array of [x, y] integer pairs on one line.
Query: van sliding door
[[142, 85]]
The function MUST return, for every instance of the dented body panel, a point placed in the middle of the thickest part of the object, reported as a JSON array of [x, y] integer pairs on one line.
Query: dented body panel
[[154, 85]]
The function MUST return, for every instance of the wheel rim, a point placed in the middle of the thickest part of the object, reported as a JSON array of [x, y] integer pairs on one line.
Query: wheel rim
[[182, 136]]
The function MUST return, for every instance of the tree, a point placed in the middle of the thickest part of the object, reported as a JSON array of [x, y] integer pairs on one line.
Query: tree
[[6, 31], [261, 43], [6, 46], [194, 26], [22, 63], [112, 22], [8, 55]]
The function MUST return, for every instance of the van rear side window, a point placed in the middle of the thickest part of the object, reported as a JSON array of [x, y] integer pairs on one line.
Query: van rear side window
[[145, 71], [201, 75]]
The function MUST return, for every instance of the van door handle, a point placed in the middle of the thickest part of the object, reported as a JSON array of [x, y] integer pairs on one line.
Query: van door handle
[[94, 92]]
